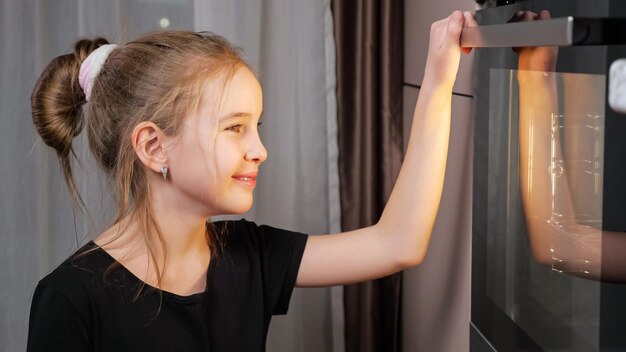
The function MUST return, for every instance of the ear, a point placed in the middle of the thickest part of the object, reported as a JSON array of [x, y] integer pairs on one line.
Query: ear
[[148, 142]]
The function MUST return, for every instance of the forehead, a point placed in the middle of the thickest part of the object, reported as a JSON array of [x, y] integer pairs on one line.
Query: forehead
[[241, 94]]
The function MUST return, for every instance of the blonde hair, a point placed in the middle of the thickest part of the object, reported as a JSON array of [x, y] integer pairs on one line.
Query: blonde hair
[[158, 78]]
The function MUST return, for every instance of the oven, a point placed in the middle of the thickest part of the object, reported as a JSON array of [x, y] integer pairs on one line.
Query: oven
[[549, 179]]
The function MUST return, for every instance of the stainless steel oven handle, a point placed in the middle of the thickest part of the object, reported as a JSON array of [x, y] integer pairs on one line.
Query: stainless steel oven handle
[[565, 31]]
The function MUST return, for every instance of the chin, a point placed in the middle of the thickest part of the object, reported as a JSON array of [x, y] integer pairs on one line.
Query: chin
[[245, 209], [238, 209]]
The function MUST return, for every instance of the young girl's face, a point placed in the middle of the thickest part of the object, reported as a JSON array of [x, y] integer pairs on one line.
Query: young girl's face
[[215, 159]]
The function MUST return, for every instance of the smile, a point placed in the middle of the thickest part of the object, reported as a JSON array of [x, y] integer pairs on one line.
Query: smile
[[247, 181]]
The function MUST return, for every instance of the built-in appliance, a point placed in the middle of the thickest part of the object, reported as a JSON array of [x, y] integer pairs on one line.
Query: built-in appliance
[[549, 193]]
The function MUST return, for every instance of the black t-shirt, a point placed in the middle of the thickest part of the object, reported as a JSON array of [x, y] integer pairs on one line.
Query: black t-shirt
[[77, 308]]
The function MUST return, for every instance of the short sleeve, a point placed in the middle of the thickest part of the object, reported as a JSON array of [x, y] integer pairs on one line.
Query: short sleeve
[[55, 324], [280, 253]]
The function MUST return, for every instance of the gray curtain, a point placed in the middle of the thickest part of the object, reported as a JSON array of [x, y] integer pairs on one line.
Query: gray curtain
[[370, 50], [290, 46]]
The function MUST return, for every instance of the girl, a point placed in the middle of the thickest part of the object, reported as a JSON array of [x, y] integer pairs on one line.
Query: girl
[[172, 118]]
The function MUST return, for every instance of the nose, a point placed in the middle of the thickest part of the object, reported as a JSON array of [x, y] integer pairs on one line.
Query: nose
[[256, 152]]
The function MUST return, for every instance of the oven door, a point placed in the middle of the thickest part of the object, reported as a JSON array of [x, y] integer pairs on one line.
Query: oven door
[[549, 189]]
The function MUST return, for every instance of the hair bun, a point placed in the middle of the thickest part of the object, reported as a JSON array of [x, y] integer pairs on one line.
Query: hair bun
[[57, 101]]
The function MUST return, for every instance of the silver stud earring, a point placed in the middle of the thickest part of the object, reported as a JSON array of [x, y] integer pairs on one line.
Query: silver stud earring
[[164, 172]]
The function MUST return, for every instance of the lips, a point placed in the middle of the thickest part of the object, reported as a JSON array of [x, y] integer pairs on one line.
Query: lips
[[248, 179]]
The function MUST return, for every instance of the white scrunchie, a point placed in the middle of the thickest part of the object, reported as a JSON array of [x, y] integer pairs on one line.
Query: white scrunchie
[[91, 67]]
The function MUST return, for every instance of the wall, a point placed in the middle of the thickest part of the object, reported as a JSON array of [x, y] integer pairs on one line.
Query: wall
[[436, 294]]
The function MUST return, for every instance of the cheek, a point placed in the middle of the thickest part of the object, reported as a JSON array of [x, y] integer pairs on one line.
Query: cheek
[[192, 165], [225, 158]]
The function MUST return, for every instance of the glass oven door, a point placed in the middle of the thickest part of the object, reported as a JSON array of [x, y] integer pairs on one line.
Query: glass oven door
[[549, 208]]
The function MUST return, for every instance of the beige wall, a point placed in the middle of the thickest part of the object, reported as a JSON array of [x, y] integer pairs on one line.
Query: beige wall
[[436, 294]]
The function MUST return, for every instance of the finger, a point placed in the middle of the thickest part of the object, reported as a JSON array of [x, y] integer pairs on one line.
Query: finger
[[455, 26], [544, 15], [529, 16], [469, 20]]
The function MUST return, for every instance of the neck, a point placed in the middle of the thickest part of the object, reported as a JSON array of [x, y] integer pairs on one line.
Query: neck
[[183, 235], [183, 231], [182, 225]]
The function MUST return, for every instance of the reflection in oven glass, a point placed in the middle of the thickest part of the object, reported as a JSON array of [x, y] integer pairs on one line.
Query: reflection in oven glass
[[546, 139]]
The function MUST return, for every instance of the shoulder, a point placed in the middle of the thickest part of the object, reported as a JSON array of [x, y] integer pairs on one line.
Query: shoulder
[[74, 279], [233, 226], [244, 225], [277, 254], [246, 238], [63, 312], [250, 231]]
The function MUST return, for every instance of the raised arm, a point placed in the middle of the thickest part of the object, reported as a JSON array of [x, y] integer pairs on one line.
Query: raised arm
[[400, 238]]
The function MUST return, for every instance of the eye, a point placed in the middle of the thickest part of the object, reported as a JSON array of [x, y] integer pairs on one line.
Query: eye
[[259, 124], [235, 128]]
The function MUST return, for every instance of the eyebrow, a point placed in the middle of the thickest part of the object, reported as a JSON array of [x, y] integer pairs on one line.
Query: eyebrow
[[235, 115]]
